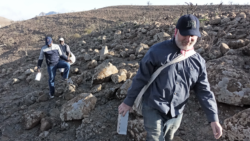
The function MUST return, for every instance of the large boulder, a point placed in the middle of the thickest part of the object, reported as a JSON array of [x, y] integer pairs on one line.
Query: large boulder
[[32, 118], [229, 80], [103, 72], [238, 127], [78, 107]]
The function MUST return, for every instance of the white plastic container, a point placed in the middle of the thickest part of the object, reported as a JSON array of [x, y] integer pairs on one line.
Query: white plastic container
[[38, 76], [122, 124]]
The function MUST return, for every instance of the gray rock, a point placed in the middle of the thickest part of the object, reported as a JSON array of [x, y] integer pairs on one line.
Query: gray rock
[[44, 134], [119, 77], [237, 127], [43, 97], [236, 44], [224, 48], [15, 81], [92, 64], [29, 71], [216, 20], [117, 35], [162, 36], [96, 88], [144, 31], [32, 119], [122, 92], [45, 124], [246, 51], [132, 57], [103, 72], [78, 107], [124, 54], [225, 20], [243, 15], [229, 81]]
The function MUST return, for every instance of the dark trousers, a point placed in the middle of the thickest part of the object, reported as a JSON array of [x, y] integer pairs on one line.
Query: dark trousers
[[52, 74], [159, 126]]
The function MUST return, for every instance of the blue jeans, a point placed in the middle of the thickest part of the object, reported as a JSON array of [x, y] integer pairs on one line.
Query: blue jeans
[[52, 74], [159, 126]]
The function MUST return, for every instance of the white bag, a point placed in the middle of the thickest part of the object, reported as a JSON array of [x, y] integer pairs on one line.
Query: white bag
[[72, 58], [138, 101]]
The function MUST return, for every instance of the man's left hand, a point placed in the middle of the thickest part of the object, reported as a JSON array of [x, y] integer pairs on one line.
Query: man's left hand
[[69, 61], [217, 129]]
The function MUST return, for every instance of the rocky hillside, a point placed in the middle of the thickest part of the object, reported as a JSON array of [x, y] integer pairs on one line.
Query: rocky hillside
[[109, 44], [49, 13]]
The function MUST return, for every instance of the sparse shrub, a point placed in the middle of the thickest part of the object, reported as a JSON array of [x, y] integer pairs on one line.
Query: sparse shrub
[[88, 30], [203, 21], [76, 35]]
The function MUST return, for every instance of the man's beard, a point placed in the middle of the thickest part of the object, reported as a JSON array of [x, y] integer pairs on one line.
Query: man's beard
[[182, 47]]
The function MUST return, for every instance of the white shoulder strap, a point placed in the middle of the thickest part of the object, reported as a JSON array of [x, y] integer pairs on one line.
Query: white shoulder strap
[[157, 72]]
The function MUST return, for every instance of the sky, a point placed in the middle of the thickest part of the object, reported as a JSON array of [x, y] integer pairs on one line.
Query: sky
[[26, 9]]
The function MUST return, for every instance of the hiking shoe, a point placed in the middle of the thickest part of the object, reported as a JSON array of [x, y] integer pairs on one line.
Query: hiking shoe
[[51, 96], [69, 81]]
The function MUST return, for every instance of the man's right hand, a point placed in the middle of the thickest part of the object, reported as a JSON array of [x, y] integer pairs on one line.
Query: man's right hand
[[69, 61], [123, 109]]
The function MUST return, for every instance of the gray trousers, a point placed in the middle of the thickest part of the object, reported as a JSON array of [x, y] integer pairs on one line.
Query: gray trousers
[[159, 126]]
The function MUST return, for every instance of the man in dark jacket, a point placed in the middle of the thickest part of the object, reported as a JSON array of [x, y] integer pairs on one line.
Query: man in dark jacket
[[52, 53], [65, 51], [165, 99]]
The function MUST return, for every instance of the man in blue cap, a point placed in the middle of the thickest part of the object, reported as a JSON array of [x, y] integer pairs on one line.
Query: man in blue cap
[[52, 53], [165, 99]]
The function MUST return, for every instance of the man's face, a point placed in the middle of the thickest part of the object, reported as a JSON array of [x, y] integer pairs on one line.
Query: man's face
[[185, 42], [61, 42], [50, 44]]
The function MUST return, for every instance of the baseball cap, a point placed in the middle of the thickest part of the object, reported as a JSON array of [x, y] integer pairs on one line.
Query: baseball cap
[[61, 39], [48, 40], [188, 25]]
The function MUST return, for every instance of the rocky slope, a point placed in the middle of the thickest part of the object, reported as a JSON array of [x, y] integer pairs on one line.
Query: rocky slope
[[107, 60]]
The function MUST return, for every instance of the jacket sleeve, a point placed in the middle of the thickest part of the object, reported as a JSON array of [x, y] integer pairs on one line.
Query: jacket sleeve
[[68, 50], [206, 96], [40, 59], [62, 56], [146, 69]]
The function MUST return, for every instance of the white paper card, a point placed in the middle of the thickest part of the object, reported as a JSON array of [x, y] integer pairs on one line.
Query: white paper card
[[122, 124], [38, 76]]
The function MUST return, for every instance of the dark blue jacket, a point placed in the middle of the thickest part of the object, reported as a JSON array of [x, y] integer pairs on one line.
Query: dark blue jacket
[[52, 55], [170, 90]]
